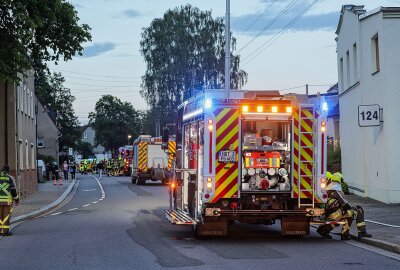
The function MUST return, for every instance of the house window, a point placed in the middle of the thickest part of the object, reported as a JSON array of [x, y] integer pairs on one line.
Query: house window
[[40, 142], [26, 155], [21, 155], [33, 160], [348, 69], [85, 135], [355, 63], [341, 74], [375, 53]]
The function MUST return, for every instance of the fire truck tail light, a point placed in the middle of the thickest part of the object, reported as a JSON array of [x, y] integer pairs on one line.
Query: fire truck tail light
[[274, 109], [173, 186], [260, 109], [209, 185], [325, 196], [289, 109], [210, 125], [245, 109], [323, 185], [207, 196], [323, 128]]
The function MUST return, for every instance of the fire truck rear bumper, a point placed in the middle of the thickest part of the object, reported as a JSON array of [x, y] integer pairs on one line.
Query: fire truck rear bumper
[[276, 212]]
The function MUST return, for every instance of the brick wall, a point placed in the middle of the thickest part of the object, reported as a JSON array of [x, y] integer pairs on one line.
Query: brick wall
[[28, 182]]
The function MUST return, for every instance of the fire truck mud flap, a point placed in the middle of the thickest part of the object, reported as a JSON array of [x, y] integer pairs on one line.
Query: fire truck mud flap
[[179, 217], [212, 229]]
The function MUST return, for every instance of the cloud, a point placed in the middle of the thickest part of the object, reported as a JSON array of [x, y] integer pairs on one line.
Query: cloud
[[77, 5], [326, 21], [131, 13], [98, 48]]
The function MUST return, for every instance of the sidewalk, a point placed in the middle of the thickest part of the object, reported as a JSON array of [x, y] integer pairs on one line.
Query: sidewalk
[[385, 237], [46, 195]]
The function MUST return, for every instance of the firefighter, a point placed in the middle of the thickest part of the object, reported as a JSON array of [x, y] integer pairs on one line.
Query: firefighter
[[8, 194], [338, 208]]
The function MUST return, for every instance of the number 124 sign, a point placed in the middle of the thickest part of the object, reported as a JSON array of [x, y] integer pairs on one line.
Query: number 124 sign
[[369, 115]]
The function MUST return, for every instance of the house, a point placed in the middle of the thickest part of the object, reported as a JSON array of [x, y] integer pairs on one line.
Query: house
[[18, 136], [47, 132], [89, 135], [368, 65]]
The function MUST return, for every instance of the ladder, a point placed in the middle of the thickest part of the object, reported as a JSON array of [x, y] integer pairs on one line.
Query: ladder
[[302, 161]]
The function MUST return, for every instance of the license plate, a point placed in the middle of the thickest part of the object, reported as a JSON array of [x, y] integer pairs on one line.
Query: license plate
[[227, 156]]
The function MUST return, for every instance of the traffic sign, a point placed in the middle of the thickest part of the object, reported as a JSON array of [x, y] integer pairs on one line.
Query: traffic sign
[[369, 115], [70, 152]]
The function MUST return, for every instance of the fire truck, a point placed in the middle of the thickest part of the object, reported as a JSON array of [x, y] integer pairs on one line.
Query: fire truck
[[125, 155], [149, 160], [256, 157]]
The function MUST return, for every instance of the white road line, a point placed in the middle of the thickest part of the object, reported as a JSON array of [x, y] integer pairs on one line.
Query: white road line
[[55, 214], [382, 252], [95, 202], [86, 205], [72, 209], [383, 224]]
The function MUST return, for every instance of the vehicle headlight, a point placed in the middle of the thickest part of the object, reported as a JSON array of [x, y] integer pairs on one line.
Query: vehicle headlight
[[271, 171]]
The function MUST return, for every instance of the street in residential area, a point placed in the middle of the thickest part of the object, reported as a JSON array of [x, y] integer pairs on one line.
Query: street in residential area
[[127, 230]]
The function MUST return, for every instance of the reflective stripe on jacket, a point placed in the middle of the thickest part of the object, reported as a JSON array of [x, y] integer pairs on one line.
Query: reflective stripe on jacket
[[8, 191]]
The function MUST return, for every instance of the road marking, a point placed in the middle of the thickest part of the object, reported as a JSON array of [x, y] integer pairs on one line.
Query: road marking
[[89, 189], [72, 209], [383, 224], [55, 214], [86, 205], [382, 252]]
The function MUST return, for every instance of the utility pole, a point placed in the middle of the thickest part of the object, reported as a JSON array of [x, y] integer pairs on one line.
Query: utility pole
[[227, 50], [307, 90]]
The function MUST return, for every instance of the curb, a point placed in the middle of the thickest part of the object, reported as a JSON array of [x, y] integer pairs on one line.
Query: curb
[[378, 243], [46, 208]]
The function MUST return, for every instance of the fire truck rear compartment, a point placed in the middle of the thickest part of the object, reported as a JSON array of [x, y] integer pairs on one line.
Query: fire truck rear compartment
[[266, 155]]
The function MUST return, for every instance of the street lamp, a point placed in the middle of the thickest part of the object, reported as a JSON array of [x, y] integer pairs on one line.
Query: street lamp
[[129, 137]]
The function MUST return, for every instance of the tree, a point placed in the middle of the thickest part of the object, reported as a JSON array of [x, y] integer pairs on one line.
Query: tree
[[33, 32], [184, 52], [113, 120], [85, 149], [59, 99]]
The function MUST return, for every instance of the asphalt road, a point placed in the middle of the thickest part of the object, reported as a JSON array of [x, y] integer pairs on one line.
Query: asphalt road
[[127, 230]]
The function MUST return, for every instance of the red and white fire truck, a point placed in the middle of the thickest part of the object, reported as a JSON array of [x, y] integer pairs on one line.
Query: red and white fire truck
[[256, 158]]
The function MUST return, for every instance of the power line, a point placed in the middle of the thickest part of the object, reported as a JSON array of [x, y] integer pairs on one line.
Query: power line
[[102, 85], [96, 80], [269, 24], [259, 17], [98, 75], [277, 35]]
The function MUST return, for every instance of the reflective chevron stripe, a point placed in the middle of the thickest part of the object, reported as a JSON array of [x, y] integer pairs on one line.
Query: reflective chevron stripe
[[142, 164], [227, 138]]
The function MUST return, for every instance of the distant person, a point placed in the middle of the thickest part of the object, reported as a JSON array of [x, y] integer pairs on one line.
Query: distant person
[[100, 167], [72, 170], [8, 194], [55, 174], [65, 169], [48, 170]]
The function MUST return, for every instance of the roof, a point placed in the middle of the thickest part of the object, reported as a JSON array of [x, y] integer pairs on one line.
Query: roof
[[361, 13]]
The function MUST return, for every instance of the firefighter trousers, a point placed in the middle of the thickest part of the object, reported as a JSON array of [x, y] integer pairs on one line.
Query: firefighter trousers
[[356, 213], [5, 215]]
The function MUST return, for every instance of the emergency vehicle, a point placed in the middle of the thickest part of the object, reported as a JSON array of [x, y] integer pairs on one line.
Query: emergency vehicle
[[125, 154], [149, 160], [256, 158]]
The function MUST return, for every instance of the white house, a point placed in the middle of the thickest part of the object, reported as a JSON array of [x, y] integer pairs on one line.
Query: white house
[[368, 66]]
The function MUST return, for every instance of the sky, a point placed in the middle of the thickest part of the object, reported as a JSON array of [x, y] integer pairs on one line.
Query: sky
[[283, 44]]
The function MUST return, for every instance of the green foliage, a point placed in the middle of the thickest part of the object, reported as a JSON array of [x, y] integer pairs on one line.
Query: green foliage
[[113, 120], [46, 159], [85, 149], [52, 93], [33, 32], [334, 160], [184, 52]]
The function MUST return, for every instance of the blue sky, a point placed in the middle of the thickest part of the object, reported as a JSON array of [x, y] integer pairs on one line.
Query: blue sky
[[274, 58]]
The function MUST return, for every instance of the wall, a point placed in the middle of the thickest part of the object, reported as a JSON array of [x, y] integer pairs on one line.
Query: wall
[[369, 158], [90, 138], [48, 132]]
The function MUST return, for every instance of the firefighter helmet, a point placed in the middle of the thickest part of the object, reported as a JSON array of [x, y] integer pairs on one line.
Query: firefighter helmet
[[328, 175], [337, 177]]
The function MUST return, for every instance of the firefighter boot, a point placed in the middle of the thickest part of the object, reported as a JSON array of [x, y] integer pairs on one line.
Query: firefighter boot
[[323, 232], [364, 234]]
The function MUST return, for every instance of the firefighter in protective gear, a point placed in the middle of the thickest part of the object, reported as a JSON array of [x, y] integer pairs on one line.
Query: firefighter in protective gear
[[338, 208], [8, 194]]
